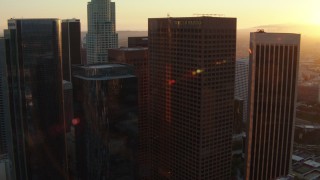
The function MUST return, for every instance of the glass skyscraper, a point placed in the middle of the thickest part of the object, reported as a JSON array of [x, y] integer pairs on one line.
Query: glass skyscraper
[[71, 45], [192, 73], [36, 99], [101, 30], [106, 102]]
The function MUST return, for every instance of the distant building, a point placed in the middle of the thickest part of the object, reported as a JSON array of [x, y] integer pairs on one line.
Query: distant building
[[309, 93], [238, 125], [101, 30], [71, 45], [36, 99], [242, 85], [192, 74], [5, 169], [137, 42], [138, 58], [106, 104], [274, 61]]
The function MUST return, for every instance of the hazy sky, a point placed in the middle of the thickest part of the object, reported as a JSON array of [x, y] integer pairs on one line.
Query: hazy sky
[[133, 14]]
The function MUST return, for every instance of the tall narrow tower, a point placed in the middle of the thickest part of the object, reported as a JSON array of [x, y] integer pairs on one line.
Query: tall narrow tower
[[101, 30], [71, 46], [35, 91], [192, 71], [274, 61]]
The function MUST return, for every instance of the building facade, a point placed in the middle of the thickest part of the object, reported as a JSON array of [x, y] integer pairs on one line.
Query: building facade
[[4, 98], [192, 74], [71, 46], [274, 61], [106, 101], [241, 85], [138, 58], [36, 99], [101, 30]]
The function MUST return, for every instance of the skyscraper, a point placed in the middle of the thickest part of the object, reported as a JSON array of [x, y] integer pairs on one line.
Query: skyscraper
[[101, 30], [138, 57], [192, 71], [36, 99], [4, 98], [71, 45], [241, 86], [274, 61], [106, 97]]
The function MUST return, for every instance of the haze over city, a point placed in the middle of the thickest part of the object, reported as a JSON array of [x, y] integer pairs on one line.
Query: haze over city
[[133, 15]]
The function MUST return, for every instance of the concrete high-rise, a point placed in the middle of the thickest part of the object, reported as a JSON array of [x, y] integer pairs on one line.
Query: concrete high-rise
[[101, 34], [274, 62], [107, 99], [138, 58], [241, 85], [71, 46], [192, 74], [36, 99]]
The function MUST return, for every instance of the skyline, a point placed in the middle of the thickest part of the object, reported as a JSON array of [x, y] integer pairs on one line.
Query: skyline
[[132, 15]]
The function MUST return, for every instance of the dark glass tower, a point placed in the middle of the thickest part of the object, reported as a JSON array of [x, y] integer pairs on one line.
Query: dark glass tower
[[36, 97], [71, 45], [274, 61], [192, 73], [4, 100], [138, 57], [106, 102]]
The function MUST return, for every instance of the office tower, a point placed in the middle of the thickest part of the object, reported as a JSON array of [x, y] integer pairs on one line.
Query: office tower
[[4, 100], [36, 99], [106, 97], [137, 42], [192, 74], [71, 45], [241, 88], [274, 61], [101, 30], [138, 57]]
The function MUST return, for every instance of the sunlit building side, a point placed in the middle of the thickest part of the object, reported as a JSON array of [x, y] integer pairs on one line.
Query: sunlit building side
[[101, 30], [274, 62]]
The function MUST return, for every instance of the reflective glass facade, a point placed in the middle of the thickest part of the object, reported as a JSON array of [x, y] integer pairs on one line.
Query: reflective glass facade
[[138, 57], [71, 45], [36, 97], [192, 74], [106, 102]]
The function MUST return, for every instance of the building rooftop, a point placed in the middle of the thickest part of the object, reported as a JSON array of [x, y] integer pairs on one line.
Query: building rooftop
[[312, 163], [102, 71], [313, 175], [130, 49], [297, 158]]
